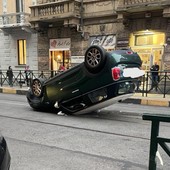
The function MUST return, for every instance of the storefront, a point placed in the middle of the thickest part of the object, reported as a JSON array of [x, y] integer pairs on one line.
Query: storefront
[[150, 46], [59, 53]]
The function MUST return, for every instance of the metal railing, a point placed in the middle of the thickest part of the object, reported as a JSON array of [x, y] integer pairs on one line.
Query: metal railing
[[144, 83], [162, 86], [21, 77]]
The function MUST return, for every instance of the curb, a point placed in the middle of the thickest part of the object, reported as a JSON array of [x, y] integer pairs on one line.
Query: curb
[[9, 90], [149, 102]]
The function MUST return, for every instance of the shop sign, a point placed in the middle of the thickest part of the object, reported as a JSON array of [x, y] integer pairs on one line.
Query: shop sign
[[63, 43], [106, 41], [77, 59], [124, 42]]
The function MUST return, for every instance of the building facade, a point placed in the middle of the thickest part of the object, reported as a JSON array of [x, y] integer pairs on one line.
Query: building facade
[[18, 45], [59, 31]]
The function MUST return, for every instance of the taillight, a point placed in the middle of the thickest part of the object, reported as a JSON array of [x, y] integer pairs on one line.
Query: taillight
[[129, 52], [116, 72]]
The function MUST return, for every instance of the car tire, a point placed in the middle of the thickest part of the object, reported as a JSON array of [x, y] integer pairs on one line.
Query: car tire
[[95, 58], [37, 87]]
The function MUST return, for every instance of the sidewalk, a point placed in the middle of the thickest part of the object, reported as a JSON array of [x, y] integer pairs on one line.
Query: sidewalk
[[151, 99]]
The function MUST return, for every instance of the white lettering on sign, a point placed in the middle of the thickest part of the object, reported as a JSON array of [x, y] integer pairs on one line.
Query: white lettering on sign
[[60, 43]]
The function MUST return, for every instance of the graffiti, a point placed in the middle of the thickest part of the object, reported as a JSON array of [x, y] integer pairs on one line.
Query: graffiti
[[107, 41]]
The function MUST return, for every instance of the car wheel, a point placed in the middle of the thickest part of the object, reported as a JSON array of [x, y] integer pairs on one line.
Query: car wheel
[[95, 58], [37, 87]]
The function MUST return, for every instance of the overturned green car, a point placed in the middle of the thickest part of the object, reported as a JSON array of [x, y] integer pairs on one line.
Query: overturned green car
[[102, 79]]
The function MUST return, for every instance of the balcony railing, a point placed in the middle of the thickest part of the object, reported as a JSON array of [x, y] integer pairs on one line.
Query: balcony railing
[[132, 2], [142, 5], [55, 10], [46, 1], [51, 10], [14, 20]]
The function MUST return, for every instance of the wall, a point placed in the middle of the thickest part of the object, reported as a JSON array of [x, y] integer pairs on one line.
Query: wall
[[8, 50]]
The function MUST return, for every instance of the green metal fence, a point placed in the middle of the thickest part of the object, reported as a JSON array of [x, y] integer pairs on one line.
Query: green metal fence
[[155, 139]]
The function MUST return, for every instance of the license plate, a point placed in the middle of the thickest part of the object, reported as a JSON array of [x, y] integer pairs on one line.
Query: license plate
[[133, 72]]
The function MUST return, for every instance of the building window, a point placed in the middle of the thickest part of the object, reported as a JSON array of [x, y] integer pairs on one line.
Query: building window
[[21, 52], [19, 5], [152, 39], [19, 8]]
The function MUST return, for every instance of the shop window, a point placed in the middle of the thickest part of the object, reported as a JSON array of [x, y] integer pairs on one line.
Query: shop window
[[21, 52], [59, 58], [151, 39]]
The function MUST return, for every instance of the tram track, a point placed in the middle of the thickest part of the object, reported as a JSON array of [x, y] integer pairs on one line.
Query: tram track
[[115, 135], [106, 115], [75, 127]]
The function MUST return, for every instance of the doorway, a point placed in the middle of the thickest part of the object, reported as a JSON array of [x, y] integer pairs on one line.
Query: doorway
[[150, 47], [59, 58], [149, 56]]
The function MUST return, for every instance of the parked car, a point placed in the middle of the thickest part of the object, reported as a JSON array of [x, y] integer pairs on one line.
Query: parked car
[[4, 154], [102, 79]]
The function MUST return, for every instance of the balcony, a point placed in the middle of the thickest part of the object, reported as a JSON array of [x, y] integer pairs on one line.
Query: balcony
[[14, 20], [46, 1], [131, 6], [66, 12]]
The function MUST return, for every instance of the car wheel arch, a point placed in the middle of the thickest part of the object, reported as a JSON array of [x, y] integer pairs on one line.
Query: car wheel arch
[[37, 87], [95, 58]]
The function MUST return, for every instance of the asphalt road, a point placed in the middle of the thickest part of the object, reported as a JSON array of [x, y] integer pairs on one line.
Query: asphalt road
[[114, 138]]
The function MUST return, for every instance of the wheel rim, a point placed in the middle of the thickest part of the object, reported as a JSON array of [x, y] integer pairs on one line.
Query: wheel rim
[[93, 57], [36, 88]]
